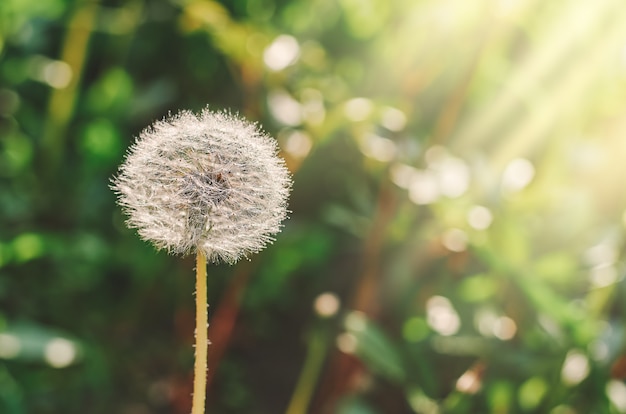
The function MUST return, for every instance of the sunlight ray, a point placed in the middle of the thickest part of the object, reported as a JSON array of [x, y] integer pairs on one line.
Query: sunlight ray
[[527, 78], [566, 98]]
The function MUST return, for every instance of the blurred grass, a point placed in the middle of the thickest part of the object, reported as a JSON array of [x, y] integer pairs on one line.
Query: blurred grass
[[458, 190]]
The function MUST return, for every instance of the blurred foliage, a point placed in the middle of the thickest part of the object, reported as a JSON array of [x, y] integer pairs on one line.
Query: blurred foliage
[[457, 237]]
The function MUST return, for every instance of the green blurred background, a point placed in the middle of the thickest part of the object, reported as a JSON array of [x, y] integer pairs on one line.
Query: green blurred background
[[456, 242]]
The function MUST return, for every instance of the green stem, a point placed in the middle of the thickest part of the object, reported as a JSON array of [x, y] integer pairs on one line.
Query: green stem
[[202, 341], [316, 353], [62, 101]]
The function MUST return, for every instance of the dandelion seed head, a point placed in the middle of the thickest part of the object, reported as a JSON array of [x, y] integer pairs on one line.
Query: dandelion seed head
[[210, 182]]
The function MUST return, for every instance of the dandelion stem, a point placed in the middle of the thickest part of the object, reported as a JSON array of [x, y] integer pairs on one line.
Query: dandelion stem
[[202, 342]]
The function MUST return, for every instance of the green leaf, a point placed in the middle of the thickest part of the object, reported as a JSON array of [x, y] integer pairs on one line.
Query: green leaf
[[374, 348]]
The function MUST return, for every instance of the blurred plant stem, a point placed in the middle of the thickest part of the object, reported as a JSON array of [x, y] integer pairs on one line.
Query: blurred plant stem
[[316, 354], [345, 370], [63, 100], [202, 342]]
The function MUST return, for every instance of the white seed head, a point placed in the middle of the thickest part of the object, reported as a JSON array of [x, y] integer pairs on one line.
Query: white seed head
[[211, 182]]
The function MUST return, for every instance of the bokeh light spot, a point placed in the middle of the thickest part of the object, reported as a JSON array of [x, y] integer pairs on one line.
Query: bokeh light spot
[[452, 173], [435, 155], [358, 109], [284, 108], [393, 119], [60, 352], [616, 391], [282, 52], [356, 321], [347, 343], [454, 177], [378, 148], [604, 275], [504, 328], [601, 254], [10, 345], [575, 368], [479, 217], [441, 316], [298, 144], [454, 240], [402, 174], [484, 320], [469, 382], [57, 74], [327, 304], [424, 188], [517, 175]]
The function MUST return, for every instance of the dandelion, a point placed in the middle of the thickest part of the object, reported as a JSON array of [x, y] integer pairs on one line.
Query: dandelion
[[209, 184]]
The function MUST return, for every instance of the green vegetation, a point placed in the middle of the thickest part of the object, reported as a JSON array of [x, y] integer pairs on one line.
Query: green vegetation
[[456, 242]]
